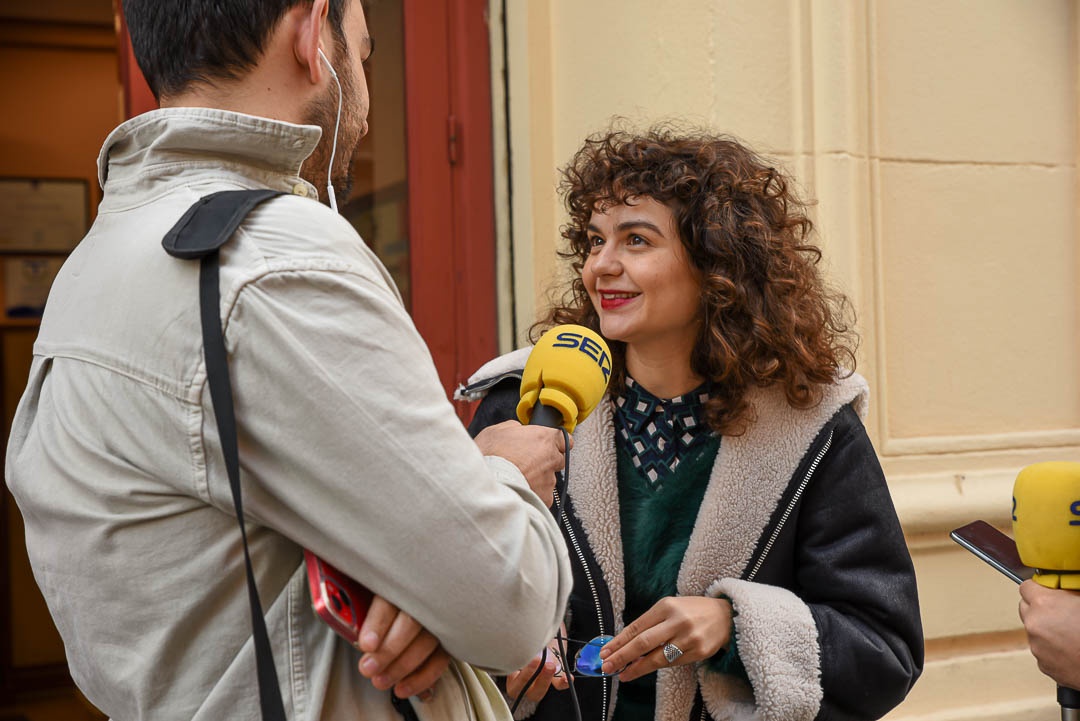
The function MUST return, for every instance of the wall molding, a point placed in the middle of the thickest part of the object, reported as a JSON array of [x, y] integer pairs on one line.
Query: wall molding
[[935, 503], [1067, 439]]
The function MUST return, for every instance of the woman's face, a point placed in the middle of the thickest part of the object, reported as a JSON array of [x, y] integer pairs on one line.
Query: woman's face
[[639, 277]]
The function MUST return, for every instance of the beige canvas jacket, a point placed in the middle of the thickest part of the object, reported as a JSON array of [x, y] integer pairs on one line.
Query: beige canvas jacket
[[348, 446]]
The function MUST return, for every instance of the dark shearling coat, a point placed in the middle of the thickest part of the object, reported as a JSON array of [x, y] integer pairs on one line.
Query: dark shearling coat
[[797, 528]]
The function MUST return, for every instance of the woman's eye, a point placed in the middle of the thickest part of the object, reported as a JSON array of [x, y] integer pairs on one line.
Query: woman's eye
[[636, 240], [595, 241]]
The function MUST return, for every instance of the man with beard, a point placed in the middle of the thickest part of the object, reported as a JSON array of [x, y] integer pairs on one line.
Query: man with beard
[[347, 444]]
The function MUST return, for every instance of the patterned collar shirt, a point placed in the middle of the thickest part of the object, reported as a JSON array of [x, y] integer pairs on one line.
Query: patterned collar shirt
[[659, 433]]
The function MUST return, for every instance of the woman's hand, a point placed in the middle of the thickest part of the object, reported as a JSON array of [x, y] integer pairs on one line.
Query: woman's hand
[[697, 625], [399, 653]]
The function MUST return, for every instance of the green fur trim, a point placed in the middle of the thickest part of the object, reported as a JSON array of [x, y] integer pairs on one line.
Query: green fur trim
[[656, 523]]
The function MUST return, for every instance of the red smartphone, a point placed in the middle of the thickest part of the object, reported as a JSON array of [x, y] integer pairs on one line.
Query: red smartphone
[[338, 600], [994, 547]]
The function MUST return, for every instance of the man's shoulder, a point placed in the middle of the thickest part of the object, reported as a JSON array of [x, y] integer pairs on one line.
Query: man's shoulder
[[300, 226], [291, 233]]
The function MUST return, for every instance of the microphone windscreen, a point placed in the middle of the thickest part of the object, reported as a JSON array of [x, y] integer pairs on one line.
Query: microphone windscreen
[[567, 370], [1046, 522]]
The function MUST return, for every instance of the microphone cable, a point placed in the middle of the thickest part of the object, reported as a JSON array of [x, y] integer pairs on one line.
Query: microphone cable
[[561, 653], [532, 679], [569, 676]]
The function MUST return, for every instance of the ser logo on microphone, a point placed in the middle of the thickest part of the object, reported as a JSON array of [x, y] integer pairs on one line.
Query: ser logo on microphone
[[569, 339], [1074, 509]]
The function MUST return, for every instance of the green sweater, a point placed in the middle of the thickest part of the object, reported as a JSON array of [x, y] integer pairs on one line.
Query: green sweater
[[656, 527]]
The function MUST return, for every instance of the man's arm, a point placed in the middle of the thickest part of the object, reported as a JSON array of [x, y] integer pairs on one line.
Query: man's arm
[[353, 451]]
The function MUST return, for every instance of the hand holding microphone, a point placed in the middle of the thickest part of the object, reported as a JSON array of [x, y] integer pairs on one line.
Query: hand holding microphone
[[1046, 524], [1052, 620], [537, 452], [565, 376]]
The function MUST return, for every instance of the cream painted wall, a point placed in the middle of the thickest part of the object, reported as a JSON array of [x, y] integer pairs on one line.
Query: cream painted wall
[[940, 140]]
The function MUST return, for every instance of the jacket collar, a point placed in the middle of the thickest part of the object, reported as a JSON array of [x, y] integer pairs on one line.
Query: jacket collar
[[155, 143], [750, 475]]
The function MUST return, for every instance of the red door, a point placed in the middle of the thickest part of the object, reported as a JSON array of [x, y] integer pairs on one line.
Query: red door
[[451, 219], [423, 188]]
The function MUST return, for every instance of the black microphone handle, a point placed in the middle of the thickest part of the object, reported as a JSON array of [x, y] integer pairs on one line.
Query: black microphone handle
[[1069, 699], [546, 416]]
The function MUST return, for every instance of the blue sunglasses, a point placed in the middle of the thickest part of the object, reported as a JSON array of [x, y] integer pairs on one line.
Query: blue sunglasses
[[587, 661]]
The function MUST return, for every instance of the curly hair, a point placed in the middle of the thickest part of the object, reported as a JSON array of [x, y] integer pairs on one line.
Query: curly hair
[[768, 316]]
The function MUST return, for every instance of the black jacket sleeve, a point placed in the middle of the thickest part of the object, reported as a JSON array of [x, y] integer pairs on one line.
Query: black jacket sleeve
[[853, 569], [500, 404]]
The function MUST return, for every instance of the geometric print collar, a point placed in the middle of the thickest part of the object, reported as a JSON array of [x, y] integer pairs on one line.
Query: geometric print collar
[[658, 434]]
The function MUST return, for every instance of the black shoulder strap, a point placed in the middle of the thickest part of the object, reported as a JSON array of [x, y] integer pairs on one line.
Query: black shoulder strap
[[202, 230], [208, 225]]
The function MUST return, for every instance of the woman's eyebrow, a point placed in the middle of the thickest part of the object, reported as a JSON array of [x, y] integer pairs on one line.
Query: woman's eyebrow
[[648, 225], [630, 225]]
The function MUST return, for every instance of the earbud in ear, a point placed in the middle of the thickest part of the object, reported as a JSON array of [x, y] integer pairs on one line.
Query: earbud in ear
[[327, 61]]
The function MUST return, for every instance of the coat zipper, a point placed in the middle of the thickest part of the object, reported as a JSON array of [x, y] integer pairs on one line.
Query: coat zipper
[[790, 508], [750, 577], [780, 525], [592, 587]]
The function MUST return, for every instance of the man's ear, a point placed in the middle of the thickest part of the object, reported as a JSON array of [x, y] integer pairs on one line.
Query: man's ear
[[308, 38]]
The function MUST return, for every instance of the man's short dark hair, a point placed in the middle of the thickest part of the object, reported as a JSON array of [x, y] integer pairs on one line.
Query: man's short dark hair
[[178, 42]]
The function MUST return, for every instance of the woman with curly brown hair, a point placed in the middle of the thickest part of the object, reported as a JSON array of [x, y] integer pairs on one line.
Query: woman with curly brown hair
[[726, 514]]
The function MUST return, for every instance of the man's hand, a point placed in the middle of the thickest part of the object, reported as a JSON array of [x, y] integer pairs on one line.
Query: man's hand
[[1052, 619], [552, 676], [398, 652], [536, 451]]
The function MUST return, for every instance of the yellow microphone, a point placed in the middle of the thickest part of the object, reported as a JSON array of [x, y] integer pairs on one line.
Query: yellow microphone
[[1046, 522], [565, 377]]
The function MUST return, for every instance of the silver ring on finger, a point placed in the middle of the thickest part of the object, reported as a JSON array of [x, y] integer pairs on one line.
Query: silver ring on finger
[[672, 653]]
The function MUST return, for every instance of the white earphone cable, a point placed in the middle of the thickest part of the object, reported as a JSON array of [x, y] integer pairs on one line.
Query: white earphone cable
[[337, 125]]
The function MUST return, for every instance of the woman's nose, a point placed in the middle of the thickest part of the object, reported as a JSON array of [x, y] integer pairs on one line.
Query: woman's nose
[[606, 261]]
